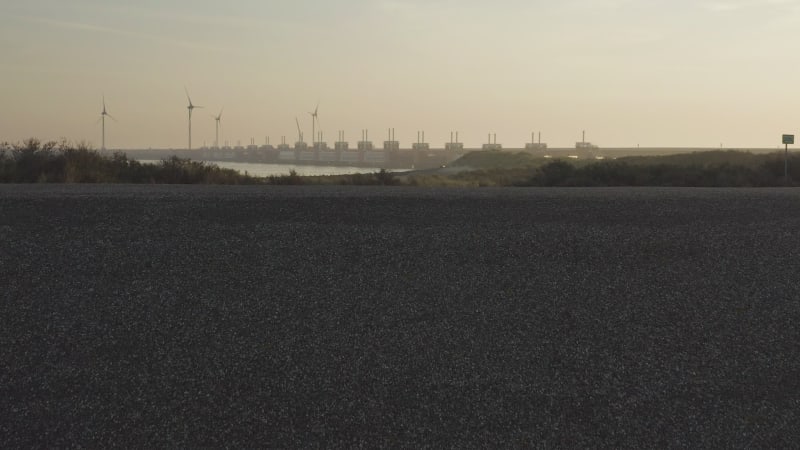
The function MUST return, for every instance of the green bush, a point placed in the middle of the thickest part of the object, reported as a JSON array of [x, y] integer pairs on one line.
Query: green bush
[[292, 179], [34, 162]]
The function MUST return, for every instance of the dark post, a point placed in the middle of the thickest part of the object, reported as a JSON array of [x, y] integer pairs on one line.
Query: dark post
[[787, 139]]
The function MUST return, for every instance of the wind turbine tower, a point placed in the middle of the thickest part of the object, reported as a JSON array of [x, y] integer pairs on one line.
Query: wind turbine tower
[[314, 120], [191, 107], [217, 119], [103, 120]]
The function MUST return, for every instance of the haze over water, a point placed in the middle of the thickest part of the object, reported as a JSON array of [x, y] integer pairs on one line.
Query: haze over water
[[696, 73], [265, 170]]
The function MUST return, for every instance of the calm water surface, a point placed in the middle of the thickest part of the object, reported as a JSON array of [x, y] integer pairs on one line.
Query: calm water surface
[[265, 170]]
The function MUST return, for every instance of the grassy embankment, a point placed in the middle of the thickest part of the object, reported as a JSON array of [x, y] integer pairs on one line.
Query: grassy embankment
[[33, 161], [700, 169]]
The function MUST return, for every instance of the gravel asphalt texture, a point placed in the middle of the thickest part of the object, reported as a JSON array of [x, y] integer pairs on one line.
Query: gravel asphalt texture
[[186, 316]]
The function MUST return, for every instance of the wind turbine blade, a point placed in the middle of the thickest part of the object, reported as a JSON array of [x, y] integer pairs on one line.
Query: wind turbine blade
[[112, 117], [220, 112], [187, 96]]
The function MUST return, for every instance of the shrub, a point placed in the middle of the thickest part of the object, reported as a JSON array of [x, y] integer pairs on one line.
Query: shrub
[[554, 173], [34, 162], [696, 169], [385, 178], [291, 179]]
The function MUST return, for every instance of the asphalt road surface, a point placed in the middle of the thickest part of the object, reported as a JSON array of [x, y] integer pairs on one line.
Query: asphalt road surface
[[185, 316]]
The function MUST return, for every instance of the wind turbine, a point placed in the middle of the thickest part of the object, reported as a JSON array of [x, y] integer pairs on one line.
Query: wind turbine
[[314, 119], [103, 120], [217, 118], [190, 108]]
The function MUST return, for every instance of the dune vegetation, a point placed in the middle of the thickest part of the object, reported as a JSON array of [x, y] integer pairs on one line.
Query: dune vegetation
[[51, 162], [697, 169]]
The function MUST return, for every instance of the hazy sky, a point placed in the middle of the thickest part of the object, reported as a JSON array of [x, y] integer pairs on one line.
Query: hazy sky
[[648, 72]]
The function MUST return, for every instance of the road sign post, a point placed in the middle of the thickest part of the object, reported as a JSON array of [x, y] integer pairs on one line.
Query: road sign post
[[787, 139]]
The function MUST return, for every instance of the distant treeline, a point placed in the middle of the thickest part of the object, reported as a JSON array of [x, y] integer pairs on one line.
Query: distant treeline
[[37, 162], [51, 162]]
